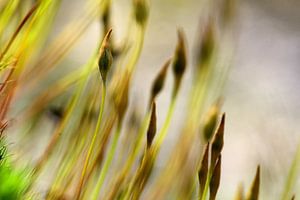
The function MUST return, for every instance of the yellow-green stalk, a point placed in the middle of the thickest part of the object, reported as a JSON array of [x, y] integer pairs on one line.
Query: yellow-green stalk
[[104, 63], [292, 175]]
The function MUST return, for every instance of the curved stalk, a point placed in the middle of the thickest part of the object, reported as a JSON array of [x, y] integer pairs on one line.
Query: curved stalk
[[164, 130], [92, 145], [107, 163]]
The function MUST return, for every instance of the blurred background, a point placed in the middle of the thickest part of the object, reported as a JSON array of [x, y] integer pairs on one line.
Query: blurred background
[[261, 95]]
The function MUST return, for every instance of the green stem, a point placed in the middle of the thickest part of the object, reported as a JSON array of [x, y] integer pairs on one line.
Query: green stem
[[205, 191], [137, 50], [138, 143], [124, 172], [107, 162], [67, 168], [292, 176], [163, 132], [78, 191]]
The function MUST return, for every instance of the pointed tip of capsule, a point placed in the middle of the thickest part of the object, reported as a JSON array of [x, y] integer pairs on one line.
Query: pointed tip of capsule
[[105, 56]]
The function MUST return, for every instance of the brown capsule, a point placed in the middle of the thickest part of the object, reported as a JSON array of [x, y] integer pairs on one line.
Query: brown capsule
[[180, 60], [218, 142], [202, 173], [120, 94], [215, 180], [159, 81], [254, 191], [105, 57], [206, 46], [141, 11], [152, 126], [293, 197]]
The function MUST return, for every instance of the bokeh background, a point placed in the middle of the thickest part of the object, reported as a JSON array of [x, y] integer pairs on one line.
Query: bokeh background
[[262, 92]]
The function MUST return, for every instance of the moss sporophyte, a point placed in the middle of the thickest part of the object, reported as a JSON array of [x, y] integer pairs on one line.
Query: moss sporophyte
[[74, 131]]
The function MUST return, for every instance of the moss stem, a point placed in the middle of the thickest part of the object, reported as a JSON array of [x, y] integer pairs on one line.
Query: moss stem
[[107, 162], [92, 145]]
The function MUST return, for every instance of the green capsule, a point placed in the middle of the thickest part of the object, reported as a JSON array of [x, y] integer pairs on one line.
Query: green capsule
[[105, 57], [141, 11], [180, 61]]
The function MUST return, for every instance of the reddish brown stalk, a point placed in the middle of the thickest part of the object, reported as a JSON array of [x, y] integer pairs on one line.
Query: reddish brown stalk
[[6, 101], [3, 127], [19, 28], [7, 79]]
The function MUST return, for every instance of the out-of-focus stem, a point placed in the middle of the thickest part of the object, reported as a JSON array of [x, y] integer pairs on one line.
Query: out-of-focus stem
[[132, 156], [164, 130], [292, 176], [78, 190], [20, 26], [107, 162]]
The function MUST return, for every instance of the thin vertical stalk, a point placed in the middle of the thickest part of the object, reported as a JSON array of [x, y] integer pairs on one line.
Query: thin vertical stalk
[[107, 162], [92, 145], [164, 130], [124, 172], [292, 176]]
